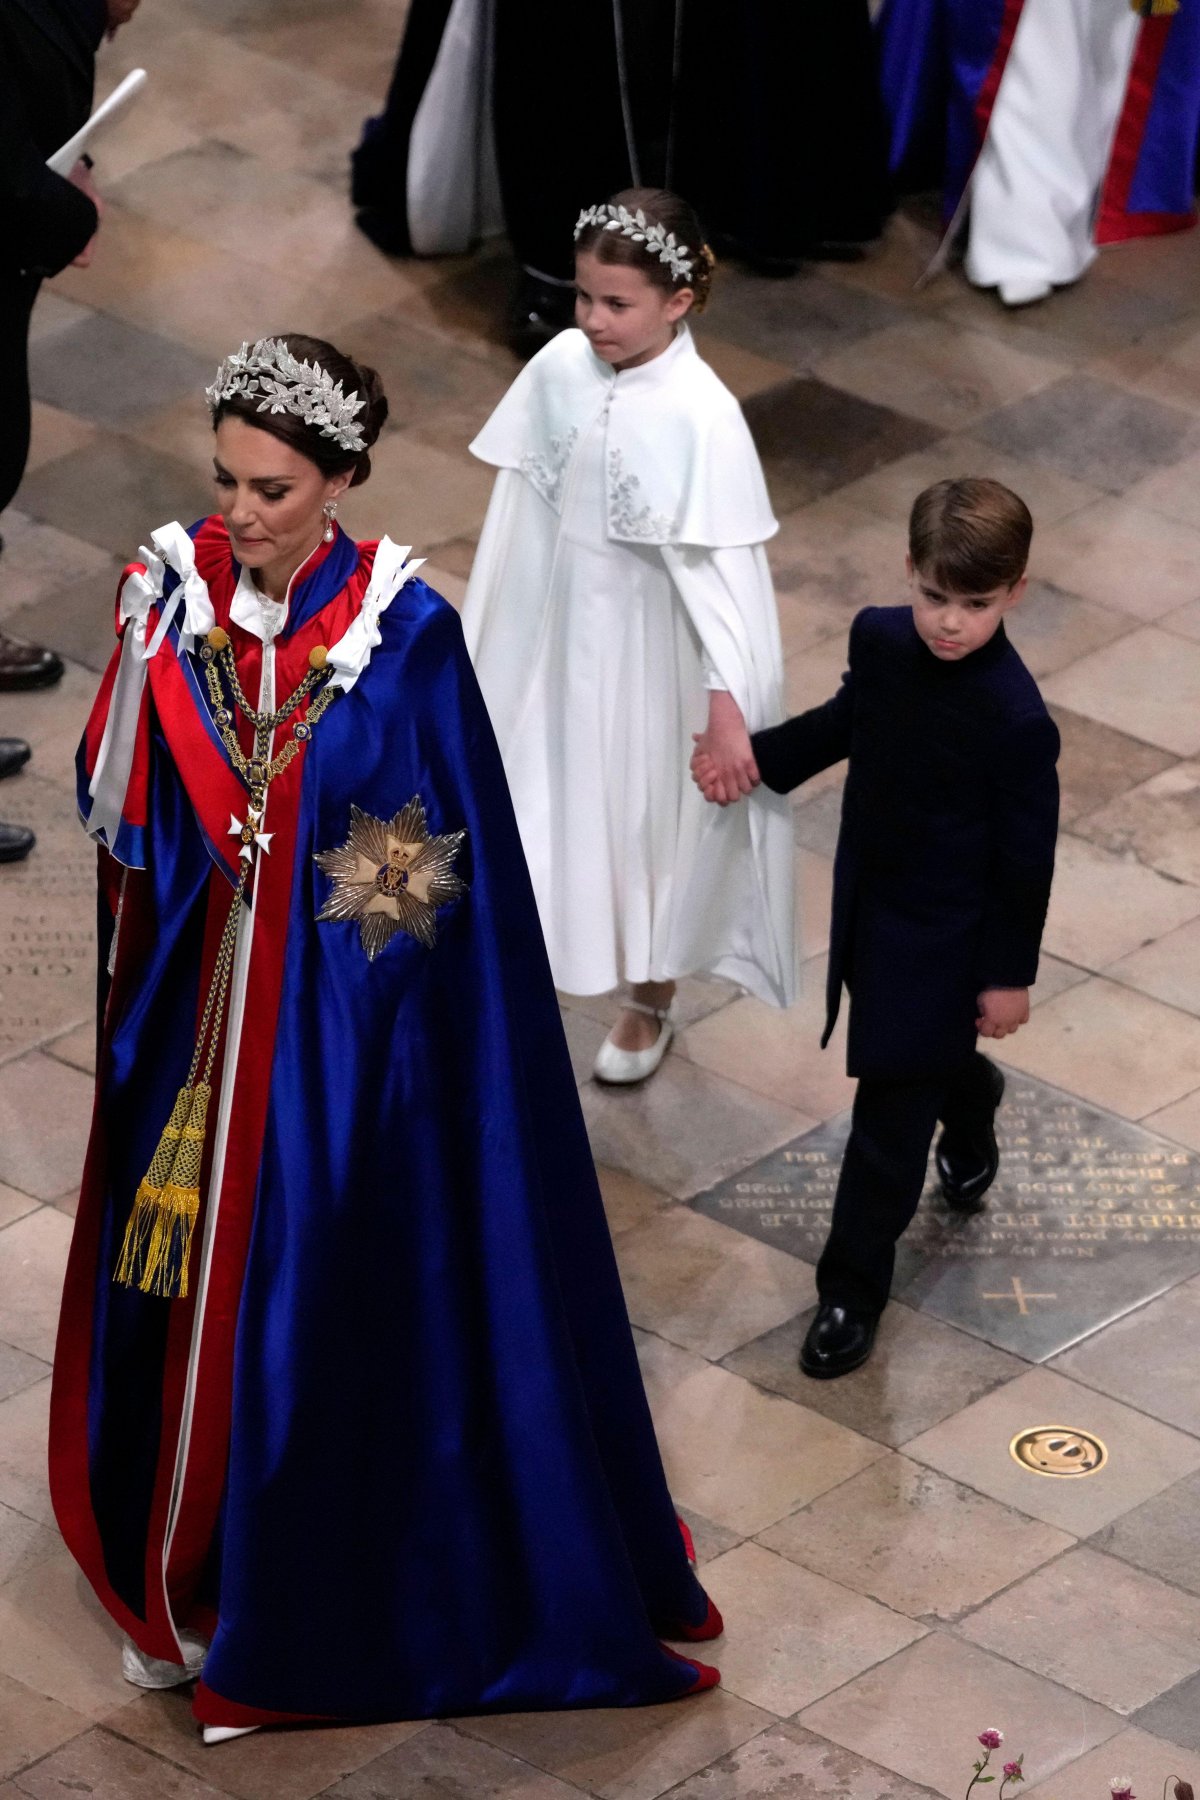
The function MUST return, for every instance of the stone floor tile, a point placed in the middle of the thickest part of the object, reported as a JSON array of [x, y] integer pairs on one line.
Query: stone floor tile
[[1173, 492], [1098, 765], [1111, 1045], [789, 1763], [916, 1542], [894, 264], [33, 1258], [55, 433], [805, 622], [817, 819], [105, 370], [417, 494], [1176, 1717], [684, 1129], [840, 557], [1123, 556], [1160, 1536], [1094, 315], [696, 1283], [629, 1753], [113, 492], [30, 1727], [441, 1763], [1104, 906], [921, 1714], [1093, 431], [741, 1457], [1148, 1761], [1158, 822], [1162, 707], [708, 1540], [40, 560], [790, 1634], [935, 371], [1053, 628], [1180, 1121], [814, 913], [921, 1371], [52, 722], [628, 1202], [743, 371], [973, 1447], [1054, 977], [436, 392], [1185, 620], [778, 1053], [1147, 1359], [584, 1037], [892, 489], [794, 322], [55, 1637], [271, 1765], [14, 1204], [23, 1544], [53, 312], [1108, 1631], [76, 1048], [814, 437], [1170, 373], [107, 1768], [24, 1423], [44, 1116]]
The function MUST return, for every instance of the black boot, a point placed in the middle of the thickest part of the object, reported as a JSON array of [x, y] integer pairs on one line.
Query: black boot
[[967, 1155], [16, 841], [24, 666], [14, 754], [838, 1340]]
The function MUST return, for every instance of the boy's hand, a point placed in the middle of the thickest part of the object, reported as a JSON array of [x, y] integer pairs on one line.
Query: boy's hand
[[1002, 1011], [723, 765]]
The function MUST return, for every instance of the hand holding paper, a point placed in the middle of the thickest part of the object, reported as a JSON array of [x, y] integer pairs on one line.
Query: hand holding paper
[[64, 160]]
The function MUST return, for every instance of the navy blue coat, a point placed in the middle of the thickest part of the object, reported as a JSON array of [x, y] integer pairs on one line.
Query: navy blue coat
[[946, 849]]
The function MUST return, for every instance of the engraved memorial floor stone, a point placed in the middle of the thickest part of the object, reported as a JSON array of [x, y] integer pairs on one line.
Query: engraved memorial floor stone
[[1089, 1217]]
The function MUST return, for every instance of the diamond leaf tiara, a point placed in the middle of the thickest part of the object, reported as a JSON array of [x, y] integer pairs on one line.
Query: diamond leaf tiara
[[280, 382], [658, 240]]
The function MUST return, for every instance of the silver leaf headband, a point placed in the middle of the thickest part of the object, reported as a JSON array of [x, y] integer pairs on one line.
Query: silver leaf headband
[[268, 373], [658, 240]]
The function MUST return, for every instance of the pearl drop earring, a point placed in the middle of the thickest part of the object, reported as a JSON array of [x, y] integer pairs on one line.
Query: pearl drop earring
[[330, 511]]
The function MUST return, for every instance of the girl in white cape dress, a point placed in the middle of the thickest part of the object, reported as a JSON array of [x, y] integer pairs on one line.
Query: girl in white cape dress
[[619, 608]]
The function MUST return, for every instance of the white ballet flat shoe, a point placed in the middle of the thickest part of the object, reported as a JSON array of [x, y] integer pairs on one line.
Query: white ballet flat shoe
[[1024, 293], [153, 1672], [620, 1068], [220, 1734]]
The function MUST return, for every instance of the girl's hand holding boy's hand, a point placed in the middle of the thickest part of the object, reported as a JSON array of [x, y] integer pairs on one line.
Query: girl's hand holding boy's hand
[[723, 765], [1002, 1011]]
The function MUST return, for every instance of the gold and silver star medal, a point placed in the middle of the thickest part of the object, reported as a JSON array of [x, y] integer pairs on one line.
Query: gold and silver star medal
[[390, 875]]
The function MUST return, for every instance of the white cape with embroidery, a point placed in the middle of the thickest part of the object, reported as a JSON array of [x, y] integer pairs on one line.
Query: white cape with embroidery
[[621, 572]]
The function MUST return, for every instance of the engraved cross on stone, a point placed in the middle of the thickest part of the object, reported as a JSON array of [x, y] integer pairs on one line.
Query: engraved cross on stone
[[1020, 1296]]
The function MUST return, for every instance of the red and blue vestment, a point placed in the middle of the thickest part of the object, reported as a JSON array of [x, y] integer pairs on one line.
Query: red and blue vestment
[[392, 1453]]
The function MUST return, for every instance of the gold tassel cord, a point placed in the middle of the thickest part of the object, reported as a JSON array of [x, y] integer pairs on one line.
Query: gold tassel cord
[[1155, 9], [158, 1238]]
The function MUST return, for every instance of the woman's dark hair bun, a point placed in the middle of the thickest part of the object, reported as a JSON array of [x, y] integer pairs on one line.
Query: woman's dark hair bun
[[356, 378]]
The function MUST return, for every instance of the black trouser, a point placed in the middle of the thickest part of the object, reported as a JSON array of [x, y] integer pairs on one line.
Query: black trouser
[[883, 1173], [17, 295]]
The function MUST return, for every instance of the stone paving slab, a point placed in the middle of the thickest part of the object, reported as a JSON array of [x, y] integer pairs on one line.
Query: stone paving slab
[[1089, 1217]]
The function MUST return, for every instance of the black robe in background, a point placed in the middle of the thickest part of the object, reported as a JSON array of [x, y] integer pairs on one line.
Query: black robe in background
[[766, 116]]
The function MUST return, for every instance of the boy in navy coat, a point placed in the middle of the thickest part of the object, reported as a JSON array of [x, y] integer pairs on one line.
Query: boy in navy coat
[[941, 882]]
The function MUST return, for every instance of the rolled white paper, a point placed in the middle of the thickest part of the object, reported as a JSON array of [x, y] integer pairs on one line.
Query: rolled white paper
[[64, 160]]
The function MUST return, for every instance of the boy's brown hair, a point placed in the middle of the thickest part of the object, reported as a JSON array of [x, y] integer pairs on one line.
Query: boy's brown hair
[[971, 535]]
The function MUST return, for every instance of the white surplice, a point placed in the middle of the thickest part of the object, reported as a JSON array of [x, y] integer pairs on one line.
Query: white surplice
[[620, 574], [1036, 184]]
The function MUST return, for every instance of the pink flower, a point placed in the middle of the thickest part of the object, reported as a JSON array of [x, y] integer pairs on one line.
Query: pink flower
[[991, 1739], [1012, 1772], [1122, 1788]]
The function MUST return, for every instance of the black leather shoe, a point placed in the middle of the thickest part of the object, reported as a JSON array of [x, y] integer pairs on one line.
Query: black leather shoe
[[24, 666], [539, 312], [838, 1340], [967, 1161], [14, 754], [16, 841]]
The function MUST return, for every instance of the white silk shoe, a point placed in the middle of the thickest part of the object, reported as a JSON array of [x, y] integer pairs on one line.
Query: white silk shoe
[[620, 1068], [1024, 293], [220, 1734], [153, 1672]]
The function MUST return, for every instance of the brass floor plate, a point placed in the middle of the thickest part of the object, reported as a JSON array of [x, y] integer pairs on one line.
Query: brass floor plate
[[1058, 1450]]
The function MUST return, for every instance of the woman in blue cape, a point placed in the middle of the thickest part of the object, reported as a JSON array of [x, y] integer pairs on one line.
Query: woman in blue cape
[[347, 1418]]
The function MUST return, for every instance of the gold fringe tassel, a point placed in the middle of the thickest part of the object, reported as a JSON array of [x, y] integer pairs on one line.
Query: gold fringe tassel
[[1155, 9], [158, 1238]]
